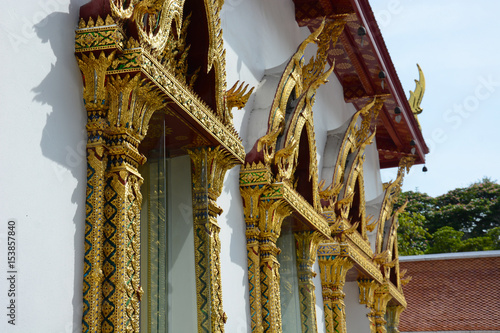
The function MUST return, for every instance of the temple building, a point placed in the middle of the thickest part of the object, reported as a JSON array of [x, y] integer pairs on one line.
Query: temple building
[[202, 166]]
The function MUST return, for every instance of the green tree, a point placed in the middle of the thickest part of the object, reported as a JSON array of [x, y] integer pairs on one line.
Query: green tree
[[473, 210], [446, 240], [413, 237], [418, 202], [481, 243], [494, 234], [464, 219]]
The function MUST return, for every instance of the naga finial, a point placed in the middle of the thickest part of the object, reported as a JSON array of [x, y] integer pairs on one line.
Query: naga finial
[[417, 95], [238, 96]]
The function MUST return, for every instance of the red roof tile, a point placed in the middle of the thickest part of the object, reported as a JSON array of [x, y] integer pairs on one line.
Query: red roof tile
[[459, 294]]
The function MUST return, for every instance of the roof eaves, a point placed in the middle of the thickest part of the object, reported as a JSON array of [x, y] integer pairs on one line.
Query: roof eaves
[[367, 17]]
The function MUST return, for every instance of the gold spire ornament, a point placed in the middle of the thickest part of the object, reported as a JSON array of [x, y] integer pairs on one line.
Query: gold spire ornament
[[417, 95]]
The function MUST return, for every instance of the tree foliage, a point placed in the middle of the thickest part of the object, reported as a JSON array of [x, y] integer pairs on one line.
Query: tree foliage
[[446, 239], [413, 237], [464, 219], [473, 210]]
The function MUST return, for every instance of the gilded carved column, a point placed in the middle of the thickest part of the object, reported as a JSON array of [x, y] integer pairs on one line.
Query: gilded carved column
[[366, 290], [366, 296], [254, 179], [380, 299], [251, 195], [94, 96], [118, 111], [376, 297], [393, 315], [333, 268], [307, 245], [121, 244], [209, 166], [272, 214], [131, 104]]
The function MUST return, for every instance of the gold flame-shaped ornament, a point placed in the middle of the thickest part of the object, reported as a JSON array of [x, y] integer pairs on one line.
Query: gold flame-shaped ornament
[[417, 95]]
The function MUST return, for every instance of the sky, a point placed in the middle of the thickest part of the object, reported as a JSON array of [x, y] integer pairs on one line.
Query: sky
[[457, 46]]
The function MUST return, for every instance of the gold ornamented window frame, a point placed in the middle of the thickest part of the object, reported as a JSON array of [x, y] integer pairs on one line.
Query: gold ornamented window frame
[[127, 80], [270, 194]]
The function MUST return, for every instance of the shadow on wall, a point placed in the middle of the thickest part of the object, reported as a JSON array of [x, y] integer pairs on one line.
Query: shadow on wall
[[64, 136], [237, 251]]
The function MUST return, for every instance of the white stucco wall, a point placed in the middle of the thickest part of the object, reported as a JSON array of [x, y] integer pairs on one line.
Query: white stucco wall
[[234, 263], [330, 112], [320, 312], [371, 167], [42, 174], [263, 33], [259, 35], [356, 319]]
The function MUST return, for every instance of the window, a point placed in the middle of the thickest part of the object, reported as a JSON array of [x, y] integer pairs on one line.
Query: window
[[289, 288], [167, 246]]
